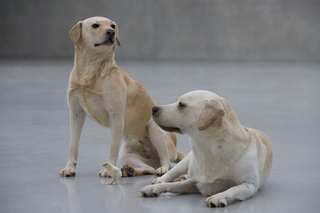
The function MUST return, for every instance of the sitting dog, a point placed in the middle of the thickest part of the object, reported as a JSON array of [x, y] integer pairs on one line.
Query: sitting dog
[[99, 89], [228, 161]]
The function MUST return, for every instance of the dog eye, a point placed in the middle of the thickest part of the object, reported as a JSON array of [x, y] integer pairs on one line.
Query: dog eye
[[182, 105], [113, 26], [95, 25]]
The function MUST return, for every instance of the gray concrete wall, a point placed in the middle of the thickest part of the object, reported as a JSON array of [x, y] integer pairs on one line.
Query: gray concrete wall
[[272, 30]]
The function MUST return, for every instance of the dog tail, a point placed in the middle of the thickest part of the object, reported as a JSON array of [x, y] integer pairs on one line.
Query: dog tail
[[180, 156]]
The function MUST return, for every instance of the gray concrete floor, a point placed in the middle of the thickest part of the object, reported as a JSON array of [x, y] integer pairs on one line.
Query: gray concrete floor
[[282, 100]]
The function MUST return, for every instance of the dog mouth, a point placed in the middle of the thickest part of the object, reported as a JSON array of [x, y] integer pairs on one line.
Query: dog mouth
[[171, 129], [107, 42], [166, 128]]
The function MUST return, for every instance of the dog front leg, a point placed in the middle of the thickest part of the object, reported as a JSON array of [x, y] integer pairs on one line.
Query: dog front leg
[[116, 125], [182, 187], [159, 140], [240, 192], [176, 171], [76, 123]]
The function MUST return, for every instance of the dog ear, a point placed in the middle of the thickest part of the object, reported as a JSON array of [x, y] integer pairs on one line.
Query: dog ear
[[117, 38], [118, 42], [75, 32], [211, 113]]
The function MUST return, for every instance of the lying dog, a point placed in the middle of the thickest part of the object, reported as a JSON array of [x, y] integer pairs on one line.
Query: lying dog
[[99, 89], [228, 162]]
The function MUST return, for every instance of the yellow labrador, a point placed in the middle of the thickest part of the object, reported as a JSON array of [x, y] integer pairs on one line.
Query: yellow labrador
[[100, 90], [228, 161]]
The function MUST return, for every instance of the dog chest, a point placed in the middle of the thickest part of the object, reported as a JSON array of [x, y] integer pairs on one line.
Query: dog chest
[[92, 104]]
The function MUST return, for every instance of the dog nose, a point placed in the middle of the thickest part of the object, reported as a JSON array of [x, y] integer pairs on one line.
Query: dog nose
[[110, 32], [155, 110]]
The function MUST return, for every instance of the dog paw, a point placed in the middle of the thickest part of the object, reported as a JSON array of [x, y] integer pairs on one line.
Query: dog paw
[[216, 201], [158, 180], [103, 173], [127, 171], [68, 172], [149, 191], [161, 171]]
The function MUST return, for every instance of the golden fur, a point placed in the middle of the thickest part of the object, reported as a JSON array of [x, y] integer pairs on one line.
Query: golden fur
[[99, 89]]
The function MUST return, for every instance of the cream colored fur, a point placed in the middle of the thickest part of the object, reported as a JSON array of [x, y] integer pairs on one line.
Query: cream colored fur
[[228, 162], [100, 90]]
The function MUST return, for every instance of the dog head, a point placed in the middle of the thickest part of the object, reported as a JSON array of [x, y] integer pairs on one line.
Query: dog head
[[194, 111], [97, 34]]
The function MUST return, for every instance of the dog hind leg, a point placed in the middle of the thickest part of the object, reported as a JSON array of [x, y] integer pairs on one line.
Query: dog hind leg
[[134, 165], [176, 171]]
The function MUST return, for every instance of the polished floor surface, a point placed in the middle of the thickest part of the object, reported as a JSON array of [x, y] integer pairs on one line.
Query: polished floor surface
[[280, 99]]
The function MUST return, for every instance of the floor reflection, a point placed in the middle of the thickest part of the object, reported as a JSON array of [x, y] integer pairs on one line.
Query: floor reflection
[[74, 201]]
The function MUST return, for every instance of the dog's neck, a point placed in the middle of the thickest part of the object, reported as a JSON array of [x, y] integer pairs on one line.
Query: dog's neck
[[226, 129], [222, 146], [215, 152], [89, 65]]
